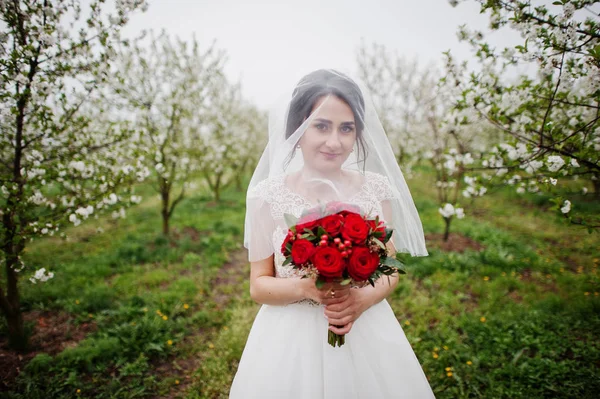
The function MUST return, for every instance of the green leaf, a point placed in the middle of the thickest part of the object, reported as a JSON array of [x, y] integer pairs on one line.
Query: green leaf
[[319, 282], [346, 281], [394, 263], [388, 234], [290, 219], [288, 260], [376, 241], [320, 231]]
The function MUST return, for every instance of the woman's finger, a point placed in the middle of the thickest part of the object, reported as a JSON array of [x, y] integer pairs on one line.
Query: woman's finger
[[342, 321], [343, 330]]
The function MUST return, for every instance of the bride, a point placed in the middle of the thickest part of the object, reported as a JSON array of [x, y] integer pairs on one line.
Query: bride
[[326, 144]]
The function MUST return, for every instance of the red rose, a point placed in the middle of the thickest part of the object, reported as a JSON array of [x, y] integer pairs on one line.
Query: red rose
[[377, 227], [332, 224], [328, 262], [302, 250], [362, 263], [341, 208], [355, 228], [308, 221], [284, 244]]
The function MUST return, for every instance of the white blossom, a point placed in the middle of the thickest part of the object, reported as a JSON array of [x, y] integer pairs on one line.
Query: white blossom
[[554, 163], [566, 208], [447, 210], [40, 275]]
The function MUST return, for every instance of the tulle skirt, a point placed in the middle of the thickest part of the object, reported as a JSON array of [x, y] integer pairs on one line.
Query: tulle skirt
[[287, 356]]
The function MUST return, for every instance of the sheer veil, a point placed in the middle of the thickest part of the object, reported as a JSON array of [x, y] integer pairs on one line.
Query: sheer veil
[[320, 178]]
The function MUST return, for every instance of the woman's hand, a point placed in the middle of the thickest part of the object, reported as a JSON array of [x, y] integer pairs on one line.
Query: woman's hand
[[344, 313], [329, 293]]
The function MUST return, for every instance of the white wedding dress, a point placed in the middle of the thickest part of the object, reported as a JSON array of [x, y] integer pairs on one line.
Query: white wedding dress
[[287, 354]]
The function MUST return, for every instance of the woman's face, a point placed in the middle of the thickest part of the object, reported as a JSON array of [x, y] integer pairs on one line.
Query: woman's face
[[330, 136]]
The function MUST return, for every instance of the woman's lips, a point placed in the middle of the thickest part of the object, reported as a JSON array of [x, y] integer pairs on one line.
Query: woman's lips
[[330, 155]]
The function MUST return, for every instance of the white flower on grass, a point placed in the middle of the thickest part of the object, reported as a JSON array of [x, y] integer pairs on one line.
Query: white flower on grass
[[41, 276], [584, 190], [460, 213], [566, 208], [447, 210], [555, 163], [574, 163]]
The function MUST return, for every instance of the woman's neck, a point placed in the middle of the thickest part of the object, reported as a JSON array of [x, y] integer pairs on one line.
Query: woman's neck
[[307, 173]]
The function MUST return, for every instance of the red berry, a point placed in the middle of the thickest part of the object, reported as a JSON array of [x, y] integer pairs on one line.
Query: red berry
[[337, 240], [348, 243], [349, 251], [341, 246], [344, 254], [323, 243], [298, 236], [325, 237]]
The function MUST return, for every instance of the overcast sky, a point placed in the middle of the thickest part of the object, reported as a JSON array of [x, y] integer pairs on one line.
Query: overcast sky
[[271, 44]]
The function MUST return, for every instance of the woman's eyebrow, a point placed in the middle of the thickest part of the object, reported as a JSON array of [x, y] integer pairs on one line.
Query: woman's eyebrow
[[323, 120]]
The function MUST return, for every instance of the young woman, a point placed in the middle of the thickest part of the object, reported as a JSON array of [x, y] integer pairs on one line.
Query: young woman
[[326, 144]]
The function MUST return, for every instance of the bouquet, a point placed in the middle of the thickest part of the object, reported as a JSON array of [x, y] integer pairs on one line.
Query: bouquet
[[335, 243]]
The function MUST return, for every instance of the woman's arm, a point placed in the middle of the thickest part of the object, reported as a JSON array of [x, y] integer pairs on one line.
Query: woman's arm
[[266, 289]]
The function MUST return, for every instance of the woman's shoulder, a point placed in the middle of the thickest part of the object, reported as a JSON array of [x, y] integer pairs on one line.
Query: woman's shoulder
[[266, 189], [379, 184]]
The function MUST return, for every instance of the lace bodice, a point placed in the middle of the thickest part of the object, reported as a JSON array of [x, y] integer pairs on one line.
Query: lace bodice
[[282, 200]]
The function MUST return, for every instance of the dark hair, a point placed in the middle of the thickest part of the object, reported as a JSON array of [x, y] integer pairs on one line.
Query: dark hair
[[321, 83]]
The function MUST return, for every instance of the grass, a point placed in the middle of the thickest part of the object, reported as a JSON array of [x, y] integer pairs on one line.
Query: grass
[[517, 319]]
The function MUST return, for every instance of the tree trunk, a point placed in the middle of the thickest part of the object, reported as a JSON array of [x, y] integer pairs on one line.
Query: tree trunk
[[16, 333], [447, 230], [11, 305], [165, 211]]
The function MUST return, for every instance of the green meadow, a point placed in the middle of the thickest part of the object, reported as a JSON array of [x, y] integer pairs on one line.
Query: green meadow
[[511, 311]]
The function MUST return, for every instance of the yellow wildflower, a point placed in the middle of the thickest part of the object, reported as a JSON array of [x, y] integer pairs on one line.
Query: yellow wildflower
[[449, 373], [176, 382], [186, 306], [486, 278], [210, 345], [586, 293], [225, 328], [448, 368], [482, 319], [436, 349], [169, 342], [407, 323], [77, 301], [469, 362], [90, 315], [79, 391], [435, 355], [164, 317], [445, 347]]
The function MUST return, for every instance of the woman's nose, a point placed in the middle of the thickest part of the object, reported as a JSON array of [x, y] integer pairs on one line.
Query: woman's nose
[[333, 141]]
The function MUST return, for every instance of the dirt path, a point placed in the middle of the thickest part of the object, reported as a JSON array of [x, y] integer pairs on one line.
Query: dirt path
[[223, 291]]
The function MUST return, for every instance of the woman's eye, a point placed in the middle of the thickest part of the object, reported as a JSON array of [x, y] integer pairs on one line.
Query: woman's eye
[[321, 126], [347, 129]]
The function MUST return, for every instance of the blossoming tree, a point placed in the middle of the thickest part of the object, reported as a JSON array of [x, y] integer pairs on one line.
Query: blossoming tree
[[413, 105], [169, 86], [551, 121], [61, 158], [231, 139]]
